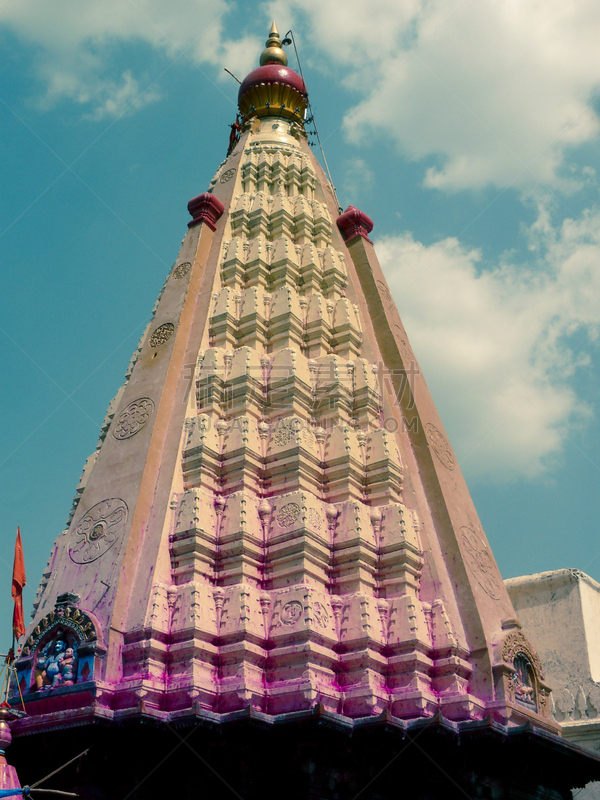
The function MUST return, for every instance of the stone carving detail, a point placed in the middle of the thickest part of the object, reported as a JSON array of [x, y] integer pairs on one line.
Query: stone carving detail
[[439, 445], [60, 651], [56, 664], [321, 615], [403, 345], [565, 702], [308, 438], [133, 418], [523, 680], [288, 514], [517, 644], [161, 334], [227, 176], [478, 558], [315, 519], [385, 292], [98, 530], [291, 612], [181, 270], [282, 435], [594, 697], [524, 684]]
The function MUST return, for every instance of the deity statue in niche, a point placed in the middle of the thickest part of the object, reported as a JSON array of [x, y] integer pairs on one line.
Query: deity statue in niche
[[57, 662], [524, 680], [62, 650]]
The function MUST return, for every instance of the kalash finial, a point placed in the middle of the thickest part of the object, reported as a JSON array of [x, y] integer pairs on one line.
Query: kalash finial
[[274, 54]]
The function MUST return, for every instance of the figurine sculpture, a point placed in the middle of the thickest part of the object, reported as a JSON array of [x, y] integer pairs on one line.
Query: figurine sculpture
[[56, 665]]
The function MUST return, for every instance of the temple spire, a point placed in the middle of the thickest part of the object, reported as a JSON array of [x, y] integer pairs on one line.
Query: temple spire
[[274, 53], [274, 517]]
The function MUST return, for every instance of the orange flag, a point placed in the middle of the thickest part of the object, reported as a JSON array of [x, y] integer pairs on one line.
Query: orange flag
[[18, 582]]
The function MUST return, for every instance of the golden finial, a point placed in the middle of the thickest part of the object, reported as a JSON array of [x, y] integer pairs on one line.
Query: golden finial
[[274, 54]]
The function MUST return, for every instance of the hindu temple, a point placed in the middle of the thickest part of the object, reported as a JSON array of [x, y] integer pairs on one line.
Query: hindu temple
[[274, 582]]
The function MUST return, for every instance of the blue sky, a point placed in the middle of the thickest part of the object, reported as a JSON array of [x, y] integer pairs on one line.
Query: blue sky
[[468, 131]]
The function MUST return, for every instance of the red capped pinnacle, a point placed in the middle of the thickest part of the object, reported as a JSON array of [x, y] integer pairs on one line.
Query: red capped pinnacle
[[205, 208], [353, 223]]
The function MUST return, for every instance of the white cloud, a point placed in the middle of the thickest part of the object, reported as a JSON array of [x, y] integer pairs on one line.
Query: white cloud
[[358, 178], [123, 97], [493, 342], [496, 92], [76, 45]]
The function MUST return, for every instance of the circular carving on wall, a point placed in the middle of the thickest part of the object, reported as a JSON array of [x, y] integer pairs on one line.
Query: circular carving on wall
[[133, 418], [98, 530], [438, 443], [291, 612], [282, 435], [321, 615], [385, 292], [227, 176], [161, 334], [308, 438], [181, 270], [288, 514], [480, 562], [315, 519], [403, 345]]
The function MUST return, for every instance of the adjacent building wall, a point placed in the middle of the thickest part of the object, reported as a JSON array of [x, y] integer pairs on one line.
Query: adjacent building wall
[[560, 614]]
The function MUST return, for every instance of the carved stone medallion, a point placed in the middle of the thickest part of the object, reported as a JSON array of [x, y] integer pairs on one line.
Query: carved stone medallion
[[98, 530], [479, 560], [291, 612], [288, 514], [227, 176], [439, 445], [283, 434], [181, 270], [320, 613], [315, 519], [403, 345], [385, 292], [308, 439], [133, 418], [161, 334]]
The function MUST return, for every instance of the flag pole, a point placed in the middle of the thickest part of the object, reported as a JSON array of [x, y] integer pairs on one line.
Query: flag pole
[[18, 582]]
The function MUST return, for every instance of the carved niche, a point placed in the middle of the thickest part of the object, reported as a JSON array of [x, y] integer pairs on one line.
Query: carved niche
[[62, 650], [523, 676]]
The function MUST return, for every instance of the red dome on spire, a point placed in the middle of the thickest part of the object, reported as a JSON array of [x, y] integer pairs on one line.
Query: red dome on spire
[[273, 89], [272, 74]]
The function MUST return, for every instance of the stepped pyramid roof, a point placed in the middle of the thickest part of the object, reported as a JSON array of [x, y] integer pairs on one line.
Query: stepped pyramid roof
[[274, 518]]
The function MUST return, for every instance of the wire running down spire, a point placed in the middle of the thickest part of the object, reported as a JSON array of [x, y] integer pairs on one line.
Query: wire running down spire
[[287, 40]]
